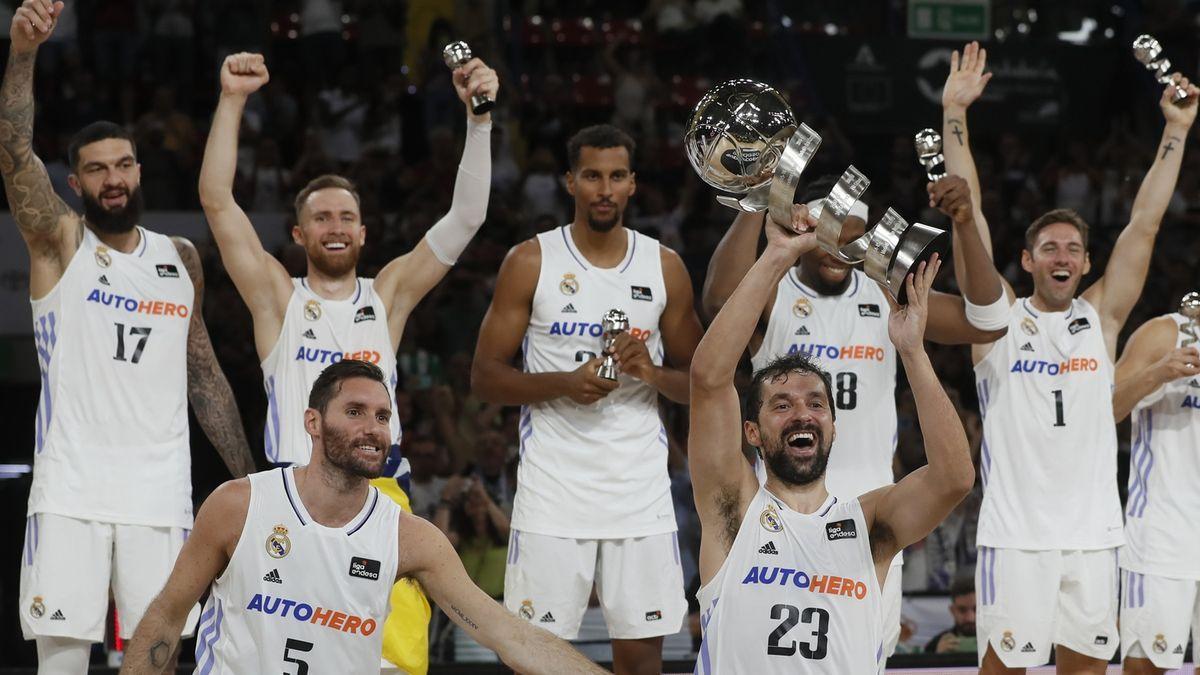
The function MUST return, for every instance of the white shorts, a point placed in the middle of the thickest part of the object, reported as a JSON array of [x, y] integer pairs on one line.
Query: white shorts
[[890, 602], [639, 581], [1030, 600], [1156, 615], [68, 566]]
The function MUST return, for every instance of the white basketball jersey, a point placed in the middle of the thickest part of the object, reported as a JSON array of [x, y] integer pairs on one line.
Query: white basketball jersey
[[317, 333], [1164, 469], [296, 592], [796, 594], [593, 471], [848, 335], [111, 440], [1049, 451]]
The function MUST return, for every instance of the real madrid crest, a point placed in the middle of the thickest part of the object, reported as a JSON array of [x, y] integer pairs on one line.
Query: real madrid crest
[[38, 608], [802, 308], [568, 285], [312, 310], [1160, 644], [769, 519], [526, 610], [1007, 643], [278, 544], [1029, 326], [103, 259]]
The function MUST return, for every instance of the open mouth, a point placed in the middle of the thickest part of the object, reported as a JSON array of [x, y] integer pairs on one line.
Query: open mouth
[[372, 449], [336, 246], [1061, 275], [802, 443], [114, 199]]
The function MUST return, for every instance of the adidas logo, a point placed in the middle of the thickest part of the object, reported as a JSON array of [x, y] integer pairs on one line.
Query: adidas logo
[[546, 618], [769, 549], [273, 577], [569, 309], [1028, 647], [1178, 649], [310, 334], [104, 280], [802, 330], [1027, 347], [57, 616], [1193, 383]]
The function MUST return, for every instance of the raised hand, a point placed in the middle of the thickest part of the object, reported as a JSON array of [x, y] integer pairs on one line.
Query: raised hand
[[966, 80], [475, 78], [243, 73], [32, 24], [906, 325], [952, 196], [795, 238], [1183, 113]]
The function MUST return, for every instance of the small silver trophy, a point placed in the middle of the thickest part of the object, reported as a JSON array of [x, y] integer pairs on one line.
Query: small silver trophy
[[929, 153], [1148, 51], [1190, 307], [743, 138], [455, 55], [614, 323]]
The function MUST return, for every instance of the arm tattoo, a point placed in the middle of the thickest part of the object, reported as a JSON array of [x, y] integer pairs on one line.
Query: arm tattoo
[[35, 206], [1170, 145], [160, 653], [958, 133], [208, 389], [466, 619]]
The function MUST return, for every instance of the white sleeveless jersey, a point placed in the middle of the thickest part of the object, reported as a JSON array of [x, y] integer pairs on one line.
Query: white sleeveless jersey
[[796, 594], [317, 333], [111, 439], [848, 335], [593, 471], [1049, 455], [296, 592], [1164, 470]]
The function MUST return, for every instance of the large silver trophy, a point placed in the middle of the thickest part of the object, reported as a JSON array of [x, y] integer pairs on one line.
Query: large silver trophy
[[1148, 52], [929, 153], [743, 138], [1190, 307], [613, 324], [456, 54]]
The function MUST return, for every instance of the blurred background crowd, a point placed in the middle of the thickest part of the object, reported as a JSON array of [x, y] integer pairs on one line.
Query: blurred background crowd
[[359, 87]]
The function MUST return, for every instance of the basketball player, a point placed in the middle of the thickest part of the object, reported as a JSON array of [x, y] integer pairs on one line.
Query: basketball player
[[792, 574], [1157, 376], [300, 559], [834, 313], [301, 325], [122, 347], [1047, 571], [593, 501]]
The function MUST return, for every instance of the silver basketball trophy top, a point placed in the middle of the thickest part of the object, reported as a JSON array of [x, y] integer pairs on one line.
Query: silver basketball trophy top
[[1148, 51], [1189, 306], [455, 55], [613, 324], [929, 153], [743, 138]]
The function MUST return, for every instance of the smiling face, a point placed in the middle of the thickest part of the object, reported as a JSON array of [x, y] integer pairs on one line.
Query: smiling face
[[353, 432], [331, 231], [108, 179], [601, 184], [1057, 258], [795, 428]]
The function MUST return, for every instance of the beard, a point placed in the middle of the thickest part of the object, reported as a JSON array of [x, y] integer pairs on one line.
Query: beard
[[340, 452], [793, 470], [604, 224], [344, 263], [118, 220], [967, 629]]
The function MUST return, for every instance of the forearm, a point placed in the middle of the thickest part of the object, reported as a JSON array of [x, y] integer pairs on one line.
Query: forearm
[[154, 642], [534, 651], [219, 167], [503, 384], [973, 267], [1156, 189], [450, 235], [946, 447], [956, 147], [499, 519], [216, 409], [34, 205], [672, 383], [1130, 390], [733, 256]]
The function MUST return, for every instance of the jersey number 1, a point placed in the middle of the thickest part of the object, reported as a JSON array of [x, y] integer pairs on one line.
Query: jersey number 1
[[141, 332], [791, 616], [1058, 408]]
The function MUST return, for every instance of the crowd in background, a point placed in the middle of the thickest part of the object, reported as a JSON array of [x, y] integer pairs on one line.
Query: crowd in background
[[359, 87]]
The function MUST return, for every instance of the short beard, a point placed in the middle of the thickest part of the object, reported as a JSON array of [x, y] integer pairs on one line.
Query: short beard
[[339, 451], [117, 221], [331, 269], [598, 225], [791, 471]]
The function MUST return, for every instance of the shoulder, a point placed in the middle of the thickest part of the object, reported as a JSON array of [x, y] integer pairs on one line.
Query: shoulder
[[226, 508], [188, 254], [528, 252], [1158, 335]]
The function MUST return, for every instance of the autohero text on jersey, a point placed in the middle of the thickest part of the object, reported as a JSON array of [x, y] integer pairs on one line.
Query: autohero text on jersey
[[306, 613]]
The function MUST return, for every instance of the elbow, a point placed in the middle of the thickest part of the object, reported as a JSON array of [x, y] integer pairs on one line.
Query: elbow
[[701, 378], [214, 198], [481, 384], [961, 479]]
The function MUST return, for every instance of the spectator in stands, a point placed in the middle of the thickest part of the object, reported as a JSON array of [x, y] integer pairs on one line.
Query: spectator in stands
[[961, 637], [427, 459]]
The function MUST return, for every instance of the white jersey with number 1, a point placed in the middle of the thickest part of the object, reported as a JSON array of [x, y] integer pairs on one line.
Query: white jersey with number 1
[[1049, 454]]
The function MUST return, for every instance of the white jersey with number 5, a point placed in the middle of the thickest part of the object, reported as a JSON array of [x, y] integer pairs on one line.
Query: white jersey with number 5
[[1164, 470], [297, 596], [797, 594], [111, 437], [848, 335], [1049, 454], [595, 471], [316, 333]]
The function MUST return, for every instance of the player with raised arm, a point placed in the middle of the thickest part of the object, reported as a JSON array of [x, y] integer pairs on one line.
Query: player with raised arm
[[300, 560], [792, 574], [122, 348], [1047, 571]]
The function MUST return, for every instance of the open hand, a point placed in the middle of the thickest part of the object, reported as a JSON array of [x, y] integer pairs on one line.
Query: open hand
[[906, 325], [966, 80]]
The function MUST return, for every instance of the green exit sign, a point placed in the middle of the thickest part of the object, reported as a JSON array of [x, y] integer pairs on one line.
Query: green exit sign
[[949, 19]]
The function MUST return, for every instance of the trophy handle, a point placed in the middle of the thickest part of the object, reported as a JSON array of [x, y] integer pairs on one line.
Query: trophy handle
[[918, 243], [835, 208], [754, 201], [883, 243], [796, 155]]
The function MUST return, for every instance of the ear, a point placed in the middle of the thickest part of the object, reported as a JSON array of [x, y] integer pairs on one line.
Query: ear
[[632, 184], [73, 181], [297, 235], [137, 173], [752, 435], [362, 234], [570, 178], [1026, 260], [1087, 264], [312, 422]]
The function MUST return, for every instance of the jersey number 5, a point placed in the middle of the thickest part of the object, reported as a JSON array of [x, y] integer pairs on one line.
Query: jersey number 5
[[791, 616], [299, 646]]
